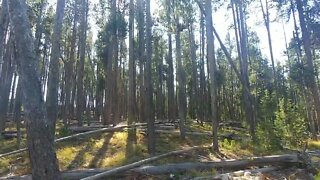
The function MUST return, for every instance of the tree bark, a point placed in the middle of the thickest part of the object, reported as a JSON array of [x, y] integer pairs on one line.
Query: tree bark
[[149, 112], [132, 89], [82, 49], [181, 80], [40, 140], [212, 73], [17, 112], [170, 81], [69, 72], [6, 81], [141, 56], [266, 18], [53, 81], [4, 22]]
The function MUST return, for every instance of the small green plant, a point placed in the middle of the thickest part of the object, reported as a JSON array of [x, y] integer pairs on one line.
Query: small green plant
[[4, 165], [231, 145], [64, 131], [290, 125]]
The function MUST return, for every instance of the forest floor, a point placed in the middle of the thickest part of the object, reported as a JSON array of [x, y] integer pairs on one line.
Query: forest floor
[[108, 150]]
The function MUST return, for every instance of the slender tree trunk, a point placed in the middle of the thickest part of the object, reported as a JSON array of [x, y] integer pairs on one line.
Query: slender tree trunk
[[212, 73], [141, 56], [194, 92], [148, 84], [202, 73], [132, 89], [17, 112], [82, 48], [170, 81], [6, 82], [4, 22], [245, 74], [182, 82], [69, 68], [115, 59], [53, 82], [159, 80], [266, 18], [40, 140], [39, 28]]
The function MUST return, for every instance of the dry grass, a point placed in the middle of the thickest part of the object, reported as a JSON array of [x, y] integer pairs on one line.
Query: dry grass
[[109, 150]]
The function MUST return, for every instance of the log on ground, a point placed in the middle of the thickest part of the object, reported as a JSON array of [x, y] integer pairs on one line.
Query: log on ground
[[127, 167], [247, 172], [282, 160]]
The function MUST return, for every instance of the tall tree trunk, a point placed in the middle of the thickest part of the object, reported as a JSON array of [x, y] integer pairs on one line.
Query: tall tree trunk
[[311, 82], [181, 80], [212, 73], [17, 112], [141, 56], [6, 81], [158, 52], [39, 28], [250, 114], [170, 81], [148, 84], [69, 68], [40, 140], [194, 86], [202, 73], [132, 89], [53, 82], [4, 22], [115, 59], [82, 41], [266, 18]]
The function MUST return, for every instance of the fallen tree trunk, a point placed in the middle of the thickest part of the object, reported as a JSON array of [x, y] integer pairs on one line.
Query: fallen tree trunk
[[112, 129], [231, 123], [284, 160], [230, 175], [230, 136], [139, 163]]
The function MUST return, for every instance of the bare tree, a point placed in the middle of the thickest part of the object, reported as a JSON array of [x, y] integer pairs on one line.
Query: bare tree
[[40, 140]]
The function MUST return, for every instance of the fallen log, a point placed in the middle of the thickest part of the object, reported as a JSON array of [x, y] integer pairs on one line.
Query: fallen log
[[230, 136], [79, 129], [286, 159], [112, 129], [127, 167], [9, 134], [247, 172], [231, 123]]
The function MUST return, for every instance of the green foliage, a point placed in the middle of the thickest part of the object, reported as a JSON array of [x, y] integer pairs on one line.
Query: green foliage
[[4, 165], [267, 139], [230, 145], [290, 125], [64, 131], [299, 73]]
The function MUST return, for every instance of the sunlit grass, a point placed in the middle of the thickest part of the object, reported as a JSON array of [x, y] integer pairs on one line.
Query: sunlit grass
[[108, 150], [314, 145]]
